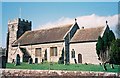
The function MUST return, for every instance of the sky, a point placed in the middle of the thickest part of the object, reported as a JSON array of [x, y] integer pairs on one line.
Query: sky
[[48, 14], [60, 0]]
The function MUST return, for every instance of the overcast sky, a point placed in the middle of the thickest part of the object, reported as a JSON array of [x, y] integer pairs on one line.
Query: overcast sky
[[48, 14]]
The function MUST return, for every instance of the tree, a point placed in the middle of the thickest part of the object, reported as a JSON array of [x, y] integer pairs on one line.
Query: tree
[[99, 45], [115, 52], [103, 47], [118, 28], [61, 59]]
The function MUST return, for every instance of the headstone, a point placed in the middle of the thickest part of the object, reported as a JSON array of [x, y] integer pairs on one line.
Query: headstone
[[42, 61], [17, 62], [13, 61], [86, 64], [36, 60], [75, 61], [30, 61], [61, 60], [3, 62]]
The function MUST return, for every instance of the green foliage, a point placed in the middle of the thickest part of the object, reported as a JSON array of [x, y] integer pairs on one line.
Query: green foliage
[[105, 39], [108, 37], [61, 59], [115, 52], [99, 45], [103, 44], [111, 36]]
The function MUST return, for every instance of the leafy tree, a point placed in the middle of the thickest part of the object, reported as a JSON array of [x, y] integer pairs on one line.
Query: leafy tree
[[111, 36], [103, 46], [115, 52], [61, 59], [99, 45]]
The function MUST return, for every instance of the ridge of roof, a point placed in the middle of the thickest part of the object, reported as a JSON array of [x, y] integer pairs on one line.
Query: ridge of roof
[[92, 28], [60, 26]]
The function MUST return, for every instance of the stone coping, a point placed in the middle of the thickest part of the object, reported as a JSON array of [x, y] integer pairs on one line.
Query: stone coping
[[42, 73]]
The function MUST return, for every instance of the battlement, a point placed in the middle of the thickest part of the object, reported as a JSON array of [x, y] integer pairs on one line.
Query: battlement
[[19, 20]]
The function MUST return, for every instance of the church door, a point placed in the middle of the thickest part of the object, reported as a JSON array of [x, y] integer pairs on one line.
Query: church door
[[79, 58]]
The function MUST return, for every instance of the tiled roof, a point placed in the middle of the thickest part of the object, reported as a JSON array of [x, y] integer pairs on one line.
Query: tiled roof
[[43, 35], [88, 34]]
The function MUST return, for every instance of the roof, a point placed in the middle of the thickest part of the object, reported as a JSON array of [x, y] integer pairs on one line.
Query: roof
[[55, 34], [88, 34]]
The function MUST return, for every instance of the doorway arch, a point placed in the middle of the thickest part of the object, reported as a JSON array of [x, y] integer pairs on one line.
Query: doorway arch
[[79, 58]]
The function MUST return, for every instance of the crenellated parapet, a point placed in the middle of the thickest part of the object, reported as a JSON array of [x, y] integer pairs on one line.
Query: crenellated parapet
[[19, 20], [23, 21]]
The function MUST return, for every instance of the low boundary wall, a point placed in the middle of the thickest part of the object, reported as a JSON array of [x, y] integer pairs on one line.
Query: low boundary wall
[[25, 73]]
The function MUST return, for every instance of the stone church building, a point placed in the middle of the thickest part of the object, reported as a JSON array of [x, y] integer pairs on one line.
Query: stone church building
[[71, 41]]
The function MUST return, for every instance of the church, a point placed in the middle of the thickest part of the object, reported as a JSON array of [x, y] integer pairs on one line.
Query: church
[[71, 42]]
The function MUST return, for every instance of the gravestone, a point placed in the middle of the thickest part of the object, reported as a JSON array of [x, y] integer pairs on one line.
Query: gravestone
[[36, 60], [75, 61], [13, 60], [30, 61], [2, 62], [42, 61], [17, 62]]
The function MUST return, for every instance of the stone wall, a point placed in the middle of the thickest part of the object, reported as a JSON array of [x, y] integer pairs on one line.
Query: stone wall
[[13, 73], [31, 50], [87, 50]]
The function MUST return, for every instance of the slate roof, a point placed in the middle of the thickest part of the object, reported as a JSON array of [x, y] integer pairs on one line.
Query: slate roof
[[87, 34], [55, 34]]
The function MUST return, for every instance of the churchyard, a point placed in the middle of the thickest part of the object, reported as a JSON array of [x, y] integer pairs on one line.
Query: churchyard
[[70, 67]]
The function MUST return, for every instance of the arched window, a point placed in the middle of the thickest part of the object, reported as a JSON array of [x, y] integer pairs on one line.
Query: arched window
[[73, 53]]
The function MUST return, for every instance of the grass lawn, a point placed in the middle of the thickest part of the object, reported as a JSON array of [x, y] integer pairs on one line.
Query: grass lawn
[[71, 67]]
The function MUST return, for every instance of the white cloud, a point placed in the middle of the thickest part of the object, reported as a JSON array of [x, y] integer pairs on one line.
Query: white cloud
[[87, 21]]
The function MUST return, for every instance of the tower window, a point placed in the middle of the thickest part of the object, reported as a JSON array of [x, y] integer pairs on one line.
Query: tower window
[[73, 53]]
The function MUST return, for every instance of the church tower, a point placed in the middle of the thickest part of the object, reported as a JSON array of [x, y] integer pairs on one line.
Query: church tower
[[16, 28]]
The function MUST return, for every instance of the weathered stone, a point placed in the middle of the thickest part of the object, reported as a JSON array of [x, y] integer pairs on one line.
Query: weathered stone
[[56, 74]]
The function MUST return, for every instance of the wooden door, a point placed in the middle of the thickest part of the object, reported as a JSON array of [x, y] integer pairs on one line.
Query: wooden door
[[79, 58]]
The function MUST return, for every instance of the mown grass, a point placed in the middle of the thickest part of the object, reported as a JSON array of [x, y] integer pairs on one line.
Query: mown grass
[[71, 67]]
